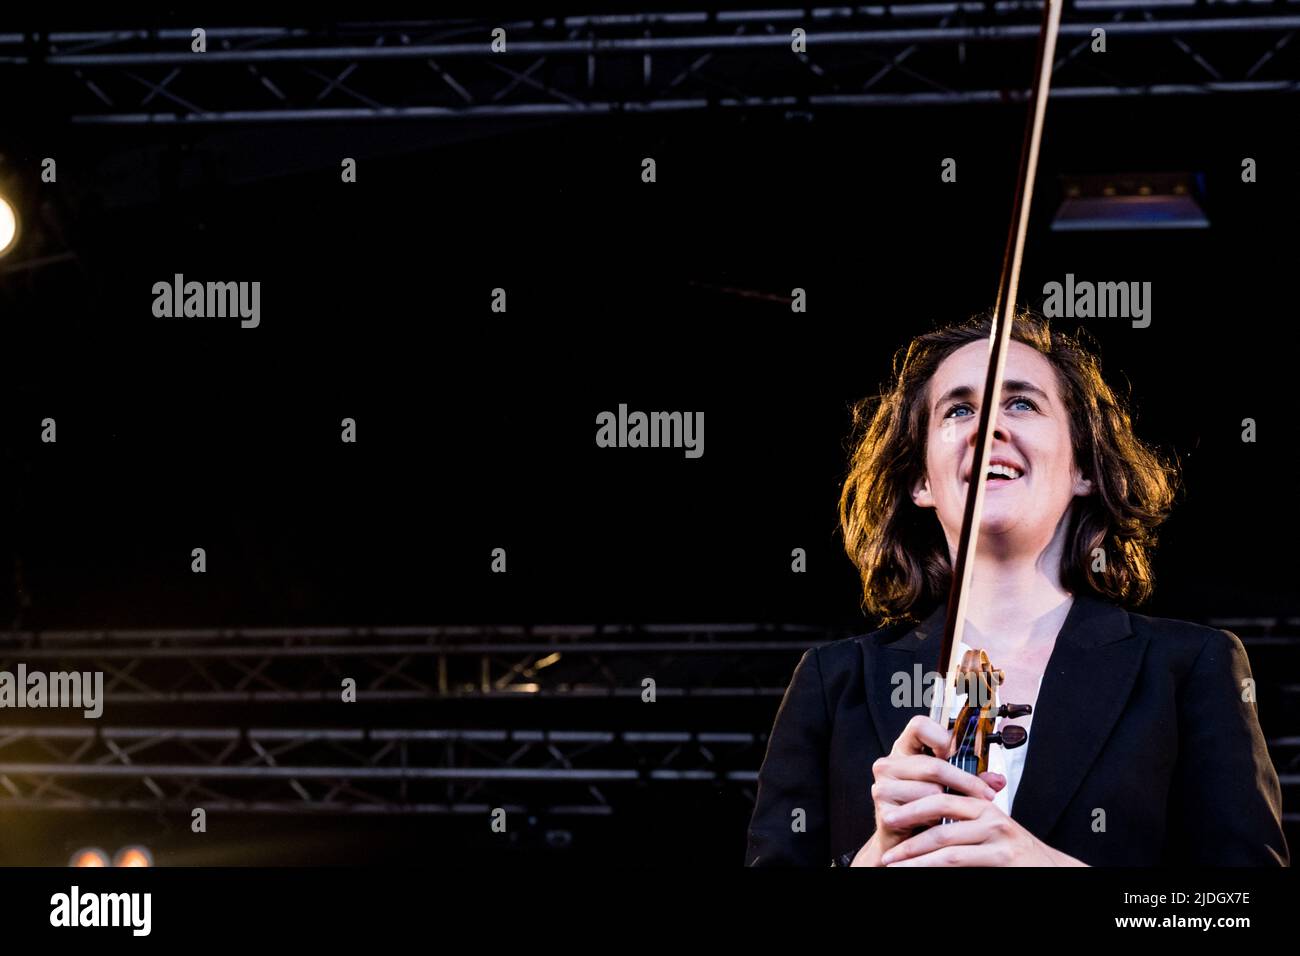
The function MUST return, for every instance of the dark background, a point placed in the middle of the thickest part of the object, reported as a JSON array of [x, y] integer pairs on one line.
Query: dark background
[[476, 430]]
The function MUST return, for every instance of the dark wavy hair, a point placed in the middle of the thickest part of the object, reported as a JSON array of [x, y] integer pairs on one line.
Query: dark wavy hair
[[899, 548]]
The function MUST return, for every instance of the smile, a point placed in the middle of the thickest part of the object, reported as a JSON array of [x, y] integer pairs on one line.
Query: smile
[[1000, 475]]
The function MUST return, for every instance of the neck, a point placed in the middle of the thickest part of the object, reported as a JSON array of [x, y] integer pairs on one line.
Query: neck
[[1015, 595], [1017, 611]]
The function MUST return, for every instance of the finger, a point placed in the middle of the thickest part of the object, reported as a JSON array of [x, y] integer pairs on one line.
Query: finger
[[994, 780], [963, 832], [969, 855], [892, 791], [921, 732], [942, 806], [920, 767]]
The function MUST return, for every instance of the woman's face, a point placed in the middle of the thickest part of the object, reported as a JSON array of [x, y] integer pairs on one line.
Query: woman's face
[[1031, 434]]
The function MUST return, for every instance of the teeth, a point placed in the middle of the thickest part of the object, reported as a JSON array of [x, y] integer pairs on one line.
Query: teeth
[[1006, 471]]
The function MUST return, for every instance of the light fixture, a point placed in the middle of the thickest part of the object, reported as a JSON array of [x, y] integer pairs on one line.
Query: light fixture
[[8, 226], [89, 856], [133, 856], [1130, 201]]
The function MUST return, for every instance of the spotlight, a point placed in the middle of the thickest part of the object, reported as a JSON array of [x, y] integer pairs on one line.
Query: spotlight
[[133, 856], [89, 856], [8, 226], [1130, 201]]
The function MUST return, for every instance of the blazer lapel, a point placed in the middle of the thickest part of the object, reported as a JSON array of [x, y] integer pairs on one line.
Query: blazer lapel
[[1089, 676]]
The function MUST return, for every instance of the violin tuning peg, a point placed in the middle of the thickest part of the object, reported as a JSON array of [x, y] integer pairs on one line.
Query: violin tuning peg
[[1012, 711], [1010, 737]]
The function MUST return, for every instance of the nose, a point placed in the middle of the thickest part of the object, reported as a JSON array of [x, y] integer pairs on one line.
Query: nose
[[1000, 431]]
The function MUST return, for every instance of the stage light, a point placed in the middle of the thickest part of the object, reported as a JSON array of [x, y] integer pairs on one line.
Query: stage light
[[133, 856], [89, 856], [8, 226], [1130, 201]]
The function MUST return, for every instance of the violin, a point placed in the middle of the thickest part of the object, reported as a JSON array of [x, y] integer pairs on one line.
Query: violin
[[972, 728]]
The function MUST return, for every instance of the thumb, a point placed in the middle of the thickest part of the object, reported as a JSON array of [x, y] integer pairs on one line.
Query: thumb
[[994, 780]]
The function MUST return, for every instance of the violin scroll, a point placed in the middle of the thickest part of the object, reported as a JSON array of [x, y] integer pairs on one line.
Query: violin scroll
[[972, 728]]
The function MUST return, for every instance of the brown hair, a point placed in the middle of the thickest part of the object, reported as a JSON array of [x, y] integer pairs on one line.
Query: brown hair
[[900, 550]]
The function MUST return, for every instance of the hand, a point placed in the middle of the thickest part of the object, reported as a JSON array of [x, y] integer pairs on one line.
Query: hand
[[907, 775], [982, 835]]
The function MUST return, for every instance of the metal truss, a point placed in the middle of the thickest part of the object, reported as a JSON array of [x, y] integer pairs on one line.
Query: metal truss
[[1285, 752], [226, 766], [358, 771], [392, 664], [884, 54]]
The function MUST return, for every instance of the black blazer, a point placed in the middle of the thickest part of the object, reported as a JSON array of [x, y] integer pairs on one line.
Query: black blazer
[[1139, 716]]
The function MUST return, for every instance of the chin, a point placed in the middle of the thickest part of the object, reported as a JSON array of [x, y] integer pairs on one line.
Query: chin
[[998, 533], [997, 524]]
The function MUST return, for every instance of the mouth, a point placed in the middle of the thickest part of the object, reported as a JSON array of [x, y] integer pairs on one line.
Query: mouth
[[999, 475]]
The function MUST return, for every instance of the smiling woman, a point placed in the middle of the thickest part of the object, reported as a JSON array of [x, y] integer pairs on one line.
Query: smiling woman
[[1061, 411], [1144, 748]]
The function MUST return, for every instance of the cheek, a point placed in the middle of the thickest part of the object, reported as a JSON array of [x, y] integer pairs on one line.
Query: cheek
[[933, 454], [1059, 481]]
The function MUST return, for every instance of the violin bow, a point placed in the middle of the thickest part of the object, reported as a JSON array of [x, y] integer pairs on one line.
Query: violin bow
[[1004, 312]]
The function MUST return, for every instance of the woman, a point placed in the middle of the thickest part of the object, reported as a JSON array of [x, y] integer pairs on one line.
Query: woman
[[1143, 745]]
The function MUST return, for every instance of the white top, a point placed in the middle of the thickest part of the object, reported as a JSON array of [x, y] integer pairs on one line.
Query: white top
[[1009, 763]]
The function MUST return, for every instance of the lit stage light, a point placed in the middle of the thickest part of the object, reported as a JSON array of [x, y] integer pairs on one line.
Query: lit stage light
[[133, 856], [89, 856], [8, 226]]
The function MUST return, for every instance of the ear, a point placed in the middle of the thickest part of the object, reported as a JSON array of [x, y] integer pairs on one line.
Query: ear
[[921, 495], [1082, 486]]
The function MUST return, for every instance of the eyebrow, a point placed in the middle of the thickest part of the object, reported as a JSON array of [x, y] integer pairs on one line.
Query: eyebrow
[[966, 392]]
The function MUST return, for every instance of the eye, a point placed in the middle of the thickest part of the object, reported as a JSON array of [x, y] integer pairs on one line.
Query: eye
[[1014, 399]]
